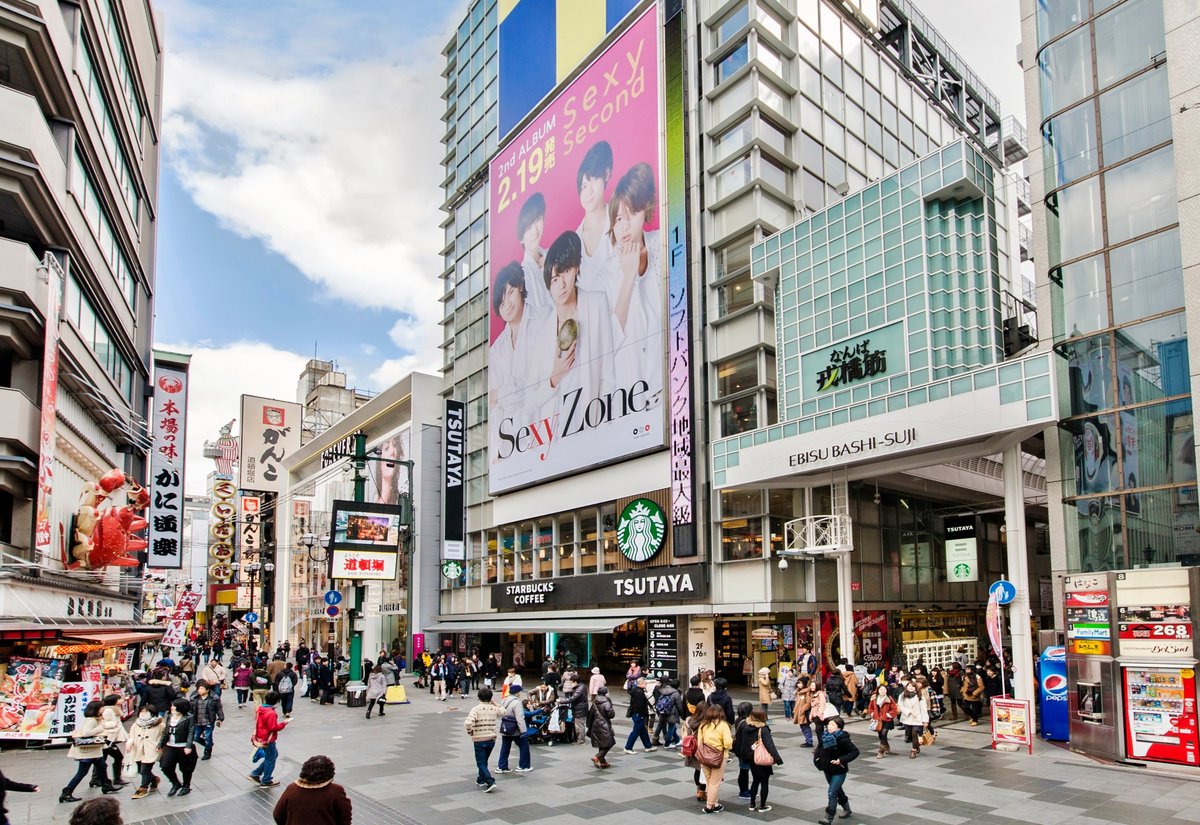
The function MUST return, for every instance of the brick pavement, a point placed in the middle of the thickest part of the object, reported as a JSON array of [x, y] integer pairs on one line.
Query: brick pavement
[[415, 766]]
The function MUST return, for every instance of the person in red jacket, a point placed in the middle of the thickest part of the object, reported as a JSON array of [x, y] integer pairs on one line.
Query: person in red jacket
[[267, 726]]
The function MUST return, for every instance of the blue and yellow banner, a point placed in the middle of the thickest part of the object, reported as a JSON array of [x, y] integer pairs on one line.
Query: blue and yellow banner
[[541, 43]]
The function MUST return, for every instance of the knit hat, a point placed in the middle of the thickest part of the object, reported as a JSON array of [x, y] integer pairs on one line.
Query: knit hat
[[596, 670]]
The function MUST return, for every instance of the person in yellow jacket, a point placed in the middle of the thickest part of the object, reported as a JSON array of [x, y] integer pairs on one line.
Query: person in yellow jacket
[[713, 732]]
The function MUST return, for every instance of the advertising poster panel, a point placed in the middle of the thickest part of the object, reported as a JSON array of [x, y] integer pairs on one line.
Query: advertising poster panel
[[575, 366], [270, 432], [169, 423], [1010, 722], [871, 631], [365, 541], [43, 532], [29, 697]]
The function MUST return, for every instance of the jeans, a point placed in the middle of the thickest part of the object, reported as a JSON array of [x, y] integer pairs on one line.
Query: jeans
[[672, 735], [96, 766], [204, 737], [267, 754], [836, 794], [285, 702], [789, 705], [242, 695], [639, 730], [506, 743], [483, 752]]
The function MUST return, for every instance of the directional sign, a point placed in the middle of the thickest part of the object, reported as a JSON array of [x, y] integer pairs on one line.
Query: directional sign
[[332, 611], [332, 597], [250, 618], [1005, 591]]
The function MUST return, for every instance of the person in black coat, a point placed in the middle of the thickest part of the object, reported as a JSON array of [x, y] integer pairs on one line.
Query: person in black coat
[[7, 785], [159, 691], [325, 681], [833, 757], [721, 697], [639, 712], [749, 735]]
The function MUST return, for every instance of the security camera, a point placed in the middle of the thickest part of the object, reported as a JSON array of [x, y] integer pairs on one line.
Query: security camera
[[783, 564]]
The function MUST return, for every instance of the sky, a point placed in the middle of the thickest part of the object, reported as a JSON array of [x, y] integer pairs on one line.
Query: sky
[[298, 199]]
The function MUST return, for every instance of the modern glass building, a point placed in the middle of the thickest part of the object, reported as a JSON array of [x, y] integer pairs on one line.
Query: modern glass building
[[1112, 174], [780, 109]]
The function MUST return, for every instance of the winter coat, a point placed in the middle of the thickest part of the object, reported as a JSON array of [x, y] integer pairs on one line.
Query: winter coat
[[514, 706], [972, 688], [595, 683], [578, 698], [954, 680], [690, 726], [7, 785], [599, 722], [289, 677], [181, 733], [694, 696], [638, 703], [214, 673], [844, 750], [110, 719], [722, 698], [765, 693], [913, 709], [90, 726], [851, 681], [818, 707], [391, 673], [304, 803], [748, 736], [376, 685], [835, 689], [787, 685], [267, 724], [160, 693], [676, 704], [883, 713], [208, 710], [241, 677], [142, 745], [483, 722], [715, 736]]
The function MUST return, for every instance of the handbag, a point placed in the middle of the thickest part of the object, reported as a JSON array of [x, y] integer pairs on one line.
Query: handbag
[[762, 757], [709, 756], [928, 737], [874, 724], [91, 741], [687, 748]]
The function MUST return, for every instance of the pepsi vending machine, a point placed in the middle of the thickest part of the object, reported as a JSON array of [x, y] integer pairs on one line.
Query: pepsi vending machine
[[1052, 694]]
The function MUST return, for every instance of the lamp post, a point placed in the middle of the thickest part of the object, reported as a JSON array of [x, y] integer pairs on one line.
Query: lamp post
[[253, 568]]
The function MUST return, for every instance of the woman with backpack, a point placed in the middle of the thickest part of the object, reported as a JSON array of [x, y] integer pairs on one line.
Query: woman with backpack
[[755, 744], [882, 709], [832, 758], [713, 742]]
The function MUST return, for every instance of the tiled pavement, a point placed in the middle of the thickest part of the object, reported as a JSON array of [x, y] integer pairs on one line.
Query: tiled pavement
[[415, 766]]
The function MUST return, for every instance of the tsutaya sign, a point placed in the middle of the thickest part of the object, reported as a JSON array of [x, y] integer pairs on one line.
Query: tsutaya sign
[[654, 585]]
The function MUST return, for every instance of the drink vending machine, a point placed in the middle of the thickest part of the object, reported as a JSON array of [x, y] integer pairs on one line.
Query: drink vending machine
[[1053, 712]]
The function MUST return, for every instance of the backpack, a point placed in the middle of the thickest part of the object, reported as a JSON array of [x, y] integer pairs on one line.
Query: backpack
[[285, 685], [665, 704]]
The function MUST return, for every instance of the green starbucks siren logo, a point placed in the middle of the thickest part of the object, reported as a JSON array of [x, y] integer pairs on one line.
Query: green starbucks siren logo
[[642, 530]]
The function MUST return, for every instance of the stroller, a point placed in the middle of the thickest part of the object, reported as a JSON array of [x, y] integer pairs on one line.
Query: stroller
[[552, 725]]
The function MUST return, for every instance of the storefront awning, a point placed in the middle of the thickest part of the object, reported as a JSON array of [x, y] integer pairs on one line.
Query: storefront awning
[[118, 638], [518, 624]]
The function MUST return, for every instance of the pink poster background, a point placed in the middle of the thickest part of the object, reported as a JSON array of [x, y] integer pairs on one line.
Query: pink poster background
[[565, 130]]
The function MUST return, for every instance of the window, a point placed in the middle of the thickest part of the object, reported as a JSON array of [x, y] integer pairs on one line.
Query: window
[[768, 57], [733, 177], [737, 375], [1070, 145], [98, 221], [733, 61], [735, 295], [774, 174], [1084, 296], [1135, 116], [739, 416], [733, 139], [108, 131], [1065, 71], [1128, 38], [1055, 18], [1073, 221], [1140, 195], [735, 257], [732, 23], [78, 309], [769, 21], [1147, 277], [125, 74], [772, 135]]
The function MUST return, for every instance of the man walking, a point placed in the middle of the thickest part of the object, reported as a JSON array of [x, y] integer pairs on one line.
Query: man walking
[[267, 726], [208, 714], [481, 725], [639, 711], [216, 675], [513, 728], [285, 686]]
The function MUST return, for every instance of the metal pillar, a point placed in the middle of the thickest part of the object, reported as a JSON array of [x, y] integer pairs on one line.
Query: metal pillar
[[1018, 574], [845, 607]]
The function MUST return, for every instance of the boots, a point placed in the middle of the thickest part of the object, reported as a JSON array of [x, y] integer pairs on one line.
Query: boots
[[144, 790], [881, 752], [846, 812], [912, 754], [67, 796], [887, 747]]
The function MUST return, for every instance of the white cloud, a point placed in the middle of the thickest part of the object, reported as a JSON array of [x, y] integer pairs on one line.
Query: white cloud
[[219, 377], [331, 161]]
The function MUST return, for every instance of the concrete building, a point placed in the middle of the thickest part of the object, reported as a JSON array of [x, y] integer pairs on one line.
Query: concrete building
[[326, 398], [774, 112], [80, 92]]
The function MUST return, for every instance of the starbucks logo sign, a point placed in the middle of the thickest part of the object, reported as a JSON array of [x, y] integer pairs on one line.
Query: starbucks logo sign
[[641, 530]]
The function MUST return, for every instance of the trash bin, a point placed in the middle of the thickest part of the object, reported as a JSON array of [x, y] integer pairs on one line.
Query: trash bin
[[356, 696]]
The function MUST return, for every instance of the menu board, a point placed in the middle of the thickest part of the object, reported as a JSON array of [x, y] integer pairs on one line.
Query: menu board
[[662, 642], [1088, 614], [1160, 714], [1010, 722]]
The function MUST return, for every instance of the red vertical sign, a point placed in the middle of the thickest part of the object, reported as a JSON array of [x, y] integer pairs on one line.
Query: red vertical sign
[[43, 531]]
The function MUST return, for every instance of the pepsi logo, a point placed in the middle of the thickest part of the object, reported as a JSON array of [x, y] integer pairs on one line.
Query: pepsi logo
[[1055, 684]]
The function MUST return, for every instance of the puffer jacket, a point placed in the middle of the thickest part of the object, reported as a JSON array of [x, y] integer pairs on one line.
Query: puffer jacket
[[913, 709], [143, 742], [600, 729], [787, 685], [160, 693]]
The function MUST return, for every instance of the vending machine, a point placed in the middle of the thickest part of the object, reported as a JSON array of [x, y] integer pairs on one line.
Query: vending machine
[[1160, 715], [1053, 713]]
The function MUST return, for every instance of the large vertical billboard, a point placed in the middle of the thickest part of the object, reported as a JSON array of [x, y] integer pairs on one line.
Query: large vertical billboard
[[168, 423], [270, 432], [578, 275], [43, 530]]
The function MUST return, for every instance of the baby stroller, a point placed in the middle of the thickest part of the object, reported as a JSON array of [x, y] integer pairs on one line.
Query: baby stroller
[[555, 724]]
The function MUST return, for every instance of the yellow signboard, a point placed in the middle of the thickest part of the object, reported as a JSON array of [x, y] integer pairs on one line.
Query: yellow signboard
[[396, 695]]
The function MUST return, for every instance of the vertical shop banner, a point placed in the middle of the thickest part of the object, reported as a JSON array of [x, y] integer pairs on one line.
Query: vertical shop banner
[[185, 608], [453, 506], [679, 325], [576, 358], [175, 634], [250, 528], [169, 424], [993, 621], [29, 692], [43, 531], [962, 552], [871, 631], [270, 433], [662, 647], [72, 700]]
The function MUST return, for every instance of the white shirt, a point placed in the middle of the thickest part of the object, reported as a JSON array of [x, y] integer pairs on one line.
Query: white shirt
[[592, 371], [511, 373], [537, 295], [592, 266]]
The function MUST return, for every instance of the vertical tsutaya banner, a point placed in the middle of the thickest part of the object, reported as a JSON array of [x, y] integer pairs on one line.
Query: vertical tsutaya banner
[[43, 532], [679, 326], [270, 432], [169, 424], [575, 369], [453, 511], [962, 554]]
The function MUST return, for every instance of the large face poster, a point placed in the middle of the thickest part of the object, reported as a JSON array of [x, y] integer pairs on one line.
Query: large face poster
[[575, 368]]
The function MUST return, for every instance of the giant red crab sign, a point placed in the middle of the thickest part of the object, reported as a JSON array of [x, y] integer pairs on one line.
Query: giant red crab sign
[[103, 536]]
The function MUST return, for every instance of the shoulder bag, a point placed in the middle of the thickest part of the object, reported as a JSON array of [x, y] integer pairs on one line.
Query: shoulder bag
[[762, 757]]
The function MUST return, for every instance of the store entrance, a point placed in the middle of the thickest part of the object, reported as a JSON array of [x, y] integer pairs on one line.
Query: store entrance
[[731, 650]]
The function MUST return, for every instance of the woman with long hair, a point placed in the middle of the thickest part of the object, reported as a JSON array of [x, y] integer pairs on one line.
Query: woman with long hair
[[87, 749], [713, 737]]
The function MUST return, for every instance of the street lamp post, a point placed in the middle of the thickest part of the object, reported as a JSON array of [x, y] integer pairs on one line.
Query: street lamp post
[[253, 568]]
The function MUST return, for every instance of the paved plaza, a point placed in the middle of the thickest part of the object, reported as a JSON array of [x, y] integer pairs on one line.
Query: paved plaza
[[415, 766]]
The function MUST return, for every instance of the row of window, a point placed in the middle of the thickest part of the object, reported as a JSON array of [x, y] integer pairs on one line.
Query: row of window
[[112, 29], [82, 314], [108, 132], [84, 188]]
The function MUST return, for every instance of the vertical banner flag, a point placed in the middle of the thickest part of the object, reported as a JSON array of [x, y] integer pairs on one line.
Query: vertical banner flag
[[576, 358], [992, 620], [270, 432], [251, 526], [453, 507], [43, 532], [168, 422]]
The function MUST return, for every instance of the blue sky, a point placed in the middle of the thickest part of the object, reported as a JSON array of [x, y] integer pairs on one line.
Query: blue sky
[[298, 199]]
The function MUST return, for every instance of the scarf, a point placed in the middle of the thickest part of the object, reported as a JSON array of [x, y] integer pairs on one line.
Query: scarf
[[828, 740], [148, 723]]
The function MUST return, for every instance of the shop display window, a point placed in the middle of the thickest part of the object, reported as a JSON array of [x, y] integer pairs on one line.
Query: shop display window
[[588, 559]]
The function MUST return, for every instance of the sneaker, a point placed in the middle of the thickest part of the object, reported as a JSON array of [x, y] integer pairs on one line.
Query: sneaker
[[673, 745], [503, 770], [807, 745], [488, 788], [629, 750], [753, 807], [744, 795], [973, 723], [846, 814], [256, 780], [480, 784], [524, 770], [762, 809], [272, 784], [651, 749], [718, 808]]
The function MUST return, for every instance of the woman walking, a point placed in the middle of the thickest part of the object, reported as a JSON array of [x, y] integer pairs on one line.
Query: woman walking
[[882, 709], [87, 749], [713, 742], [314, 797], [241, 682], [376, 690], [758, 742], [142, 747], [600, 729], [914, 715], [765, 692], [802, 712], [179, 747], [833, 758], [819, 709]]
